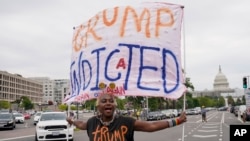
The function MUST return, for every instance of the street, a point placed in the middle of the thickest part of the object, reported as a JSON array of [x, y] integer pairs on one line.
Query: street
[[216, 129]]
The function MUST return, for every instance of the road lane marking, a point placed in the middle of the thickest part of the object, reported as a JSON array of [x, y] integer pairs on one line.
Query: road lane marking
[[207, 130], [205, 136], [222, 118], [209, 127], [6, 139]]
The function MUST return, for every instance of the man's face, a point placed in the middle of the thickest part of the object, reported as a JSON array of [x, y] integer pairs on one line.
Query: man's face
[[107, 105]]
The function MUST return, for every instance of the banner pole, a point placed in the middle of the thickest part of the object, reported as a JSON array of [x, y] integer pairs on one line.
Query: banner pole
[[68, 114], [184, 52]]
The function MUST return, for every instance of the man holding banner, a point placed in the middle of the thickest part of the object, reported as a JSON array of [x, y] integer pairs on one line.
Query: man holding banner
[[137, 51], [109, 126]]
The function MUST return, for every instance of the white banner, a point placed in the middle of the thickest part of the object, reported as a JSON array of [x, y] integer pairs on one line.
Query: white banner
[[131, 51]]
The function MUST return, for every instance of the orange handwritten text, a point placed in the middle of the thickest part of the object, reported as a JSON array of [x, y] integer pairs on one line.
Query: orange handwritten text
[[124, 18], [103, 134]]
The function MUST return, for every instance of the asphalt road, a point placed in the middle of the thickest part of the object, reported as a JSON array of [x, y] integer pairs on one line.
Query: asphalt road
[[216, 129]]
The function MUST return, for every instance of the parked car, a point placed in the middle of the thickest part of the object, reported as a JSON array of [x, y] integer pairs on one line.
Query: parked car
[[232, 109], [193, 112], [198, 109], [174, 112], [53, 126], [19, 118], [7, 120], [223, 108], [247, 114], [236, 109], [156, 115], [242, 109], [36, 117], [168, 113], [4, 111], [26, 116]]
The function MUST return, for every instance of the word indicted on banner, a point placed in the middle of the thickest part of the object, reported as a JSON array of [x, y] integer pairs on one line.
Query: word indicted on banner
[[136, 48]]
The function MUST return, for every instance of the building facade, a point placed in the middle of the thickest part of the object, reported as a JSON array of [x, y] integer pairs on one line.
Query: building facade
[[53, 90], [14, 86]]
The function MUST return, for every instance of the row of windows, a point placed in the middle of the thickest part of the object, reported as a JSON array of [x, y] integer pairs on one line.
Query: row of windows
[[17, 80], [13, 97], [33, 87]]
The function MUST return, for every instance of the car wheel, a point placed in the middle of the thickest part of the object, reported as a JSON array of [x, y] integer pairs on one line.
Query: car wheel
[[71, 139]]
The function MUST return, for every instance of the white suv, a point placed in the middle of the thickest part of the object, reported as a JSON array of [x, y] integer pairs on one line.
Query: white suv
[[53, 126], [36, 117]]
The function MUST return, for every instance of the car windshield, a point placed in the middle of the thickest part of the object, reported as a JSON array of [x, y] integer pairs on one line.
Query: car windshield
[[53, 116], [166, 111], [153, 113], [4, 116], [38, 114], [18, 115]]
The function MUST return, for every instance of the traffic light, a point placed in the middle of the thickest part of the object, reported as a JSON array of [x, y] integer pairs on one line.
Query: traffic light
[[244, 82]]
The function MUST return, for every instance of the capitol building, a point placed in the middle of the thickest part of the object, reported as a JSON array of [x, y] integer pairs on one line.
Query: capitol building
[[220, 88]]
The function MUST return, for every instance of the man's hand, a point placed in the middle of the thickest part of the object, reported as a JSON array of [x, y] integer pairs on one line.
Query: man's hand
[[69, 120], [182, 117]]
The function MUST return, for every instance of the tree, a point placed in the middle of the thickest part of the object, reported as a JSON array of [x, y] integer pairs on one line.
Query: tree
[[189, 84], [205, 101], [120, 103], [4, 104], [238, 101], [221, 101], [243, 100], [26, 103], [153, 103], [63, 107], [189, 100], [230, 101]]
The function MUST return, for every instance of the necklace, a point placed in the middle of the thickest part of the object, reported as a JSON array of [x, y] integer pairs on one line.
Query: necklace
[[107, 123]]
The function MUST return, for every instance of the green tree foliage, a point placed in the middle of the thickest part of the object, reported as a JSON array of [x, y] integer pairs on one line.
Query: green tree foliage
[[120, 103], [90, 104], [205, 101], [4, 104], [26, 103], [238, 101], [231, 100], [63, 107], [221, 101], [153, 103], [243, 100], [189, 84], [196, 102]]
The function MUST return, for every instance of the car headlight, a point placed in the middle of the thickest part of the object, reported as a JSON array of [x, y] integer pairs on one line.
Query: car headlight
[[41, 127], [11, 121]]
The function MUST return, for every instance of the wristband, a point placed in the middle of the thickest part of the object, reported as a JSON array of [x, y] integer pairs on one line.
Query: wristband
[[174, 122], [170, 123], [177, 121]]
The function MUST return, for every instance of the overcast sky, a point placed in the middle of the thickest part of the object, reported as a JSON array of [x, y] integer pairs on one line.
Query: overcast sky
[[36, 36]]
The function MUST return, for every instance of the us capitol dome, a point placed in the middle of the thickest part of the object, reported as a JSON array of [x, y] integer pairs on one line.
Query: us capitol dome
[[220, 82], [220, 87]]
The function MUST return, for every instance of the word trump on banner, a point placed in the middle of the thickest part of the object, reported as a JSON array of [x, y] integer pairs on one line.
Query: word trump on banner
[[241, 132], [136, 48]]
